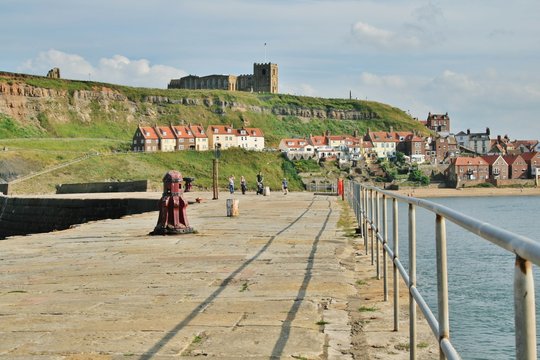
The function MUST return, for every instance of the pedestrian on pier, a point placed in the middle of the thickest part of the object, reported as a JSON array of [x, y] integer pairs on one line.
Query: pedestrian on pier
[[231, 184], [243, 185]]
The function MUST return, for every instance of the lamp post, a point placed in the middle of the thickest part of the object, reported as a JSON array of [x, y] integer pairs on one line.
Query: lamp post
[[215, 166]]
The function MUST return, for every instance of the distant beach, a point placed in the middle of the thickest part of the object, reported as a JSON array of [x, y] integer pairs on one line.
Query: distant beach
[[467, 192]]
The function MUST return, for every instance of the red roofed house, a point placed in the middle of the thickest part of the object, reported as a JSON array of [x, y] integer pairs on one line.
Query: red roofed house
[[250, 139], [533, 162], [184, 137], [297, 148], [223, 135], [498, 168], [517, 167], [415, 147], [464, 169], [201, 139], [384, 143], [167, 140], [145, 139]]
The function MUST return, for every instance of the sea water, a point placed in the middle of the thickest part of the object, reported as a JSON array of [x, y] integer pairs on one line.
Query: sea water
[[480, 273]]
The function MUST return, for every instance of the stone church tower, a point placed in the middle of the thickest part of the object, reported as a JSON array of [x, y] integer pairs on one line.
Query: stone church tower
[[265, 78]]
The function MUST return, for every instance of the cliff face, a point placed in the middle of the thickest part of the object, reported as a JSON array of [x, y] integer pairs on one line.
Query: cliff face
[[47, 109], [27, 103]]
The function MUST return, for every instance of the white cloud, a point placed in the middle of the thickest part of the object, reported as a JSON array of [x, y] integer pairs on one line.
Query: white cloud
[[383, 39], [117, 70], [386, 81]]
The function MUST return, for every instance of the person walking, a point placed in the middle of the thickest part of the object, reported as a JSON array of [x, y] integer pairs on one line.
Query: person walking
[[243, 185], [231, 184], [285, 186]]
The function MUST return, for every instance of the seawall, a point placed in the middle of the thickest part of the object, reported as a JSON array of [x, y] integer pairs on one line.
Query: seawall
[[20, 216]]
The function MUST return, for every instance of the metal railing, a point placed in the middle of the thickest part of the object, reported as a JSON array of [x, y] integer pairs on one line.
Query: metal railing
[[370, 207]]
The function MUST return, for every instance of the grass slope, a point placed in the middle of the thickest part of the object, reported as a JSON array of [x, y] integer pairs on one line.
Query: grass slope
[[66, 128]]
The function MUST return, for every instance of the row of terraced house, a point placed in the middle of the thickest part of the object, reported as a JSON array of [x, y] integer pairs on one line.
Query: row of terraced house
[[195, 137]]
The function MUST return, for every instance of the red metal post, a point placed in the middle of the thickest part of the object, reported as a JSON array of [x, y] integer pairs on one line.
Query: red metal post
[[172, 207]]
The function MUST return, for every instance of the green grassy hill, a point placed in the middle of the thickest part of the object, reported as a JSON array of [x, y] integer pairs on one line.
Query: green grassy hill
[[45, 122]]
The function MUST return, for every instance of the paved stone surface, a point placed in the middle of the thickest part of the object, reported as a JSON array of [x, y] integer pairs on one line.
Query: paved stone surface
[[269, 283]]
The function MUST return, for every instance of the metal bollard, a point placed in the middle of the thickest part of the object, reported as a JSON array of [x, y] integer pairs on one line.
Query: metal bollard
[[172, 207]]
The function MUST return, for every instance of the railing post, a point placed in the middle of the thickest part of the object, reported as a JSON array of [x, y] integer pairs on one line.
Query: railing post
[[442, 282], [394, 262], [412, 279], [365, 221], [385, 241], [377, 228], [372, 222], [524, 310]]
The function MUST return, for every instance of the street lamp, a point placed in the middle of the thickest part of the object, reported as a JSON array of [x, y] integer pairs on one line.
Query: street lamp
[[215, 165]]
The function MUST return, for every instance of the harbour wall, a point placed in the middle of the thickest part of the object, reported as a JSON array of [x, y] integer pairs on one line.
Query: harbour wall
[[22, 216]]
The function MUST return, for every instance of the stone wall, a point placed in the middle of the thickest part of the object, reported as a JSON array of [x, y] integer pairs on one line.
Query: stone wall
[[103, 187], [21, 216]]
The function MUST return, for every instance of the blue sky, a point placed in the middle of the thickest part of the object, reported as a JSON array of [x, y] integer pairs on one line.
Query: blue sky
[[477, 60]]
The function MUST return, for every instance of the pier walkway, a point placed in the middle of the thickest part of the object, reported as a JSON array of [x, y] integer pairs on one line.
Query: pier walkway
[[275, 282]]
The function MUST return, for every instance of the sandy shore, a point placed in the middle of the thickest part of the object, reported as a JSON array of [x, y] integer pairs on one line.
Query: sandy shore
[[436, 192]]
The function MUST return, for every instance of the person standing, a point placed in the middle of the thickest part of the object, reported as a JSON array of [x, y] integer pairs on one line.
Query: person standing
[[243, 185], [260, 184], [285, 186], [231, 184]]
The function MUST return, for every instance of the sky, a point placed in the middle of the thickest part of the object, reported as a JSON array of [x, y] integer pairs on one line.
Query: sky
[[477, 60]]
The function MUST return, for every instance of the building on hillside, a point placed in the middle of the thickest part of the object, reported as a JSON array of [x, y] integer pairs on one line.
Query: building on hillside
[[443, 148], [296, 149], [463, 169], [517, 167], [200, 137], [263, 79], [414, 146], [479, 143], [167, 140], [184, 137], [498, 167], [250, 139], [384, 143], [228, 137], [223, 136], [439, 123], [145, 139]]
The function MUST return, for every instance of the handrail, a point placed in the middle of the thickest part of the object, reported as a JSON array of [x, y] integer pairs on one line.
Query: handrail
[[365, 201]]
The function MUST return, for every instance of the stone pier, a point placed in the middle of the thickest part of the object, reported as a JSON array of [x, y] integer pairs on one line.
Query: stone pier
[[281, 280]]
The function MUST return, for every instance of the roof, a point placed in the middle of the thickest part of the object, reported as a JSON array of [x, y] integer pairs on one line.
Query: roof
[[318, 140], [491, 159], [464, 161], [182, 132], [256, 132], [510, 159], [295, 143], [220, 129], [148, 132], [165, 132], [412, 137], [197, 131], [382, 136], [529, 155]]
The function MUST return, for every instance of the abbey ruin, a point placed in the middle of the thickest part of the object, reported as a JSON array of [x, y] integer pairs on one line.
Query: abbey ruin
[[263, 79]]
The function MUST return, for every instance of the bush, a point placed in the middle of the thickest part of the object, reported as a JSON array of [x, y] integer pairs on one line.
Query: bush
[[417, 176]]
